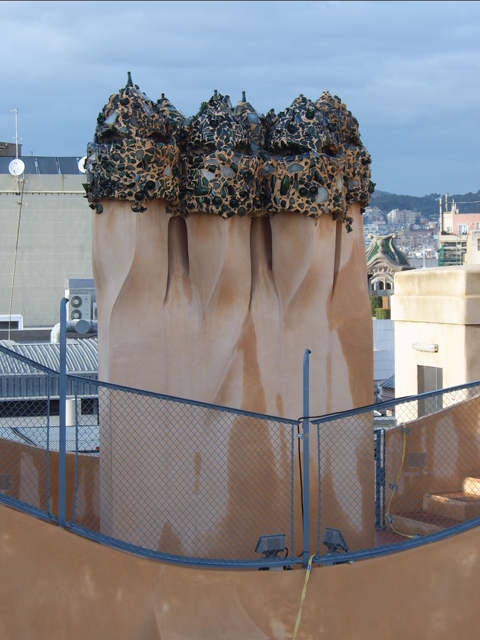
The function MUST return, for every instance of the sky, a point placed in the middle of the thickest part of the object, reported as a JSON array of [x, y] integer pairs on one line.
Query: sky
[[409, 72]]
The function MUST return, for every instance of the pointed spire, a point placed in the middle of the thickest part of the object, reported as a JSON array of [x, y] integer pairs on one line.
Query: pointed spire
[[244, 96], [129, 114]]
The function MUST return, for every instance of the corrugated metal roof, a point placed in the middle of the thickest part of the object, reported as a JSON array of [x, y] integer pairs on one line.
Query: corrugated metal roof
[[389, 383], [82, 356]]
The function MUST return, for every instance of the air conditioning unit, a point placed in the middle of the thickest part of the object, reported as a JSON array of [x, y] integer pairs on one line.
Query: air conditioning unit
[[80, 307], [94, 311]]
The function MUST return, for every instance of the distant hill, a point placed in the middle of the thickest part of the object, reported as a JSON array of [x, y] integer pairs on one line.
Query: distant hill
[[426, 205]]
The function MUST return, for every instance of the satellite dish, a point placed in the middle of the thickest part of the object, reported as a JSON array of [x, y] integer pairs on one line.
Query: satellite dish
[[16, 167], [81, 164]]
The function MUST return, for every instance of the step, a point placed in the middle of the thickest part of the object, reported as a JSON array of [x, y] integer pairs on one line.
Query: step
[[459, 506], [471, 486], [420, 523]]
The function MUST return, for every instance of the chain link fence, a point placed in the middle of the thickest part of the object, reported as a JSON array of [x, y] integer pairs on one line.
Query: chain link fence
[[422, 479], [27, 424], [181, 478], [193, 482]]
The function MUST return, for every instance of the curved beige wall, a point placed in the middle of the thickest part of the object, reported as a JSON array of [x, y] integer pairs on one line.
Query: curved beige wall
[[221, 311], [25, 476], [58, 585]]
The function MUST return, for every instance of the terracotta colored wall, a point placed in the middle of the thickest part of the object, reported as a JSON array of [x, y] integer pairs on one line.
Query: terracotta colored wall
[[71, 587], [221, 311], [23, 472], [450, 439]]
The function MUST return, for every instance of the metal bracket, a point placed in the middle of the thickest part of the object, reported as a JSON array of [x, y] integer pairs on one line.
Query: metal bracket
[[302, 436], [393, 486]]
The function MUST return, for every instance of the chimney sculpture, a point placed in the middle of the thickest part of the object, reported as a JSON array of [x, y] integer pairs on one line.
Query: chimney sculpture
[[224, 245]]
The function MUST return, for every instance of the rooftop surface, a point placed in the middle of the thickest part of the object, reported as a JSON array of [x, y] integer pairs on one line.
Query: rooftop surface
[[82, 356], [44, 165]]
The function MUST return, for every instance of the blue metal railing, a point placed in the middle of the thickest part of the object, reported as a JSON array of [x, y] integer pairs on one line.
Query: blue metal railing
[[171, 491]]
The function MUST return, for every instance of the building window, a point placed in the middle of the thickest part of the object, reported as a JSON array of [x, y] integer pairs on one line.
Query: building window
[[478, 244], [463, 229], [449, 229], [429, 379]]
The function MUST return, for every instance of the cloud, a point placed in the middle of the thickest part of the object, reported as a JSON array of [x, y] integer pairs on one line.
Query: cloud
[[407, 70]]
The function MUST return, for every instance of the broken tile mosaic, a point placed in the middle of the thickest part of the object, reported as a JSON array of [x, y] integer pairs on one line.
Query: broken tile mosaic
[[308, 159]]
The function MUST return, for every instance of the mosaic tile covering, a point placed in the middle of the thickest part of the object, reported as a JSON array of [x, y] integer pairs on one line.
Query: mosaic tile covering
[[229, 161]]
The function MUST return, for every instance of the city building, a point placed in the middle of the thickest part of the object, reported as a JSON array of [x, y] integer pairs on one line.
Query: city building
[[383, 352], [387, 389], [403, 217], [384, 260], [373, 215], [472, 255], [453, 221], [45, 237], [437, 328], [454, 229]]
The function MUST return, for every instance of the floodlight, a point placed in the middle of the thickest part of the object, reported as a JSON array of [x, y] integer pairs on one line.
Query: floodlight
[[271, 544], [334, 540]]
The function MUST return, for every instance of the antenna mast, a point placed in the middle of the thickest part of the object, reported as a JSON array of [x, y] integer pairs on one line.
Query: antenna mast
[[16, 168], [16, 130]]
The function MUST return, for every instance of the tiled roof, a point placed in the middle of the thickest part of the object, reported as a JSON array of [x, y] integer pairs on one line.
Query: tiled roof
[[389, 383]]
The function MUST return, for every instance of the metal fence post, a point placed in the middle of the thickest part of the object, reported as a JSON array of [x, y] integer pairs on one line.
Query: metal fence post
[[62, 383], [306, 460], [379, 439]]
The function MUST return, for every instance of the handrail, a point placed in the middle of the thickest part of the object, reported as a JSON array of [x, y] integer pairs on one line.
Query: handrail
[[315, 419], [81, 527], [410, 543], [25, 360], [389, 403], [151, 394], [195, 403]]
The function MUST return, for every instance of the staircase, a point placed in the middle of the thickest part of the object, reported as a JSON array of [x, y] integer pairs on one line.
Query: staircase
[[441, 511]]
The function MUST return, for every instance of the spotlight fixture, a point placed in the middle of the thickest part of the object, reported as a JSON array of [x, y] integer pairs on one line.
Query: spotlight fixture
[[335, 542], [270, 545]]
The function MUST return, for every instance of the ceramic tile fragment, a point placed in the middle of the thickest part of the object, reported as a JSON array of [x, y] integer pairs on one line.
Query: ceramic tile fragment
[[229, 161]]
